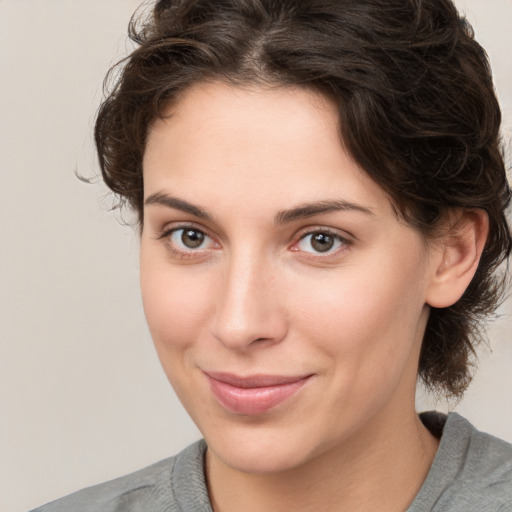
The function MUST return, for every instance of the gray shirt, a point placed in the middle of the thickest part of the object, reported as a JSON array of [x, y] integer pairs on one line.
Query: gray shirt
[[472, 472]]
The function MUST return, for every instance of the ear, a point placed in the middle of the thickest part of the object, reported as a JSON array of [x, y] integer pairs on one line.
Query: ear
[[457, 256]]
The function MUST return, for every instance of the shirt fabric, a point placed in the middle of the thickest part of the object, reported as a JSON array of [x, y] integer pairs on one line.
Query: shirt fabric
[[471, 472]]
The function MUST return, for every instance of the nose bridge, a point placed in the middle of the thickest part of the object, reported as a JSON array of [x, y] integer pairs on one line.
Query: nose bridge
[[248, 308]]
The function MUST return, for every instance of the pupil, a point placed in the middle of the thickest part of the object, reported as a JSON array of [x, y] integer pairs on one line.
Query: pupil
[[192, 239], [322, 242]]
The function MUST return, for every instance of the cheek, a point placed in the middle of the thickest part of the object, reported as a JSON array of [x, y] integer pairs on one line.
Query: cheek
[[176, 303], [367, 316]]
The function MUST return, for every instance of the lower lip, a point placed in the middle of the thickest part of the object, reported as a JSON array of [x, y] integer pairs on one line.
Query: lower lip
[[252, 401]]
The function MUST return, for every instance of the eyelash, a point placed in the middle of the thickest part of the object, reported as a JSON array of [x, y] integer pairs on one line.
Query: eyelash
[[182, 254], [344, 243]]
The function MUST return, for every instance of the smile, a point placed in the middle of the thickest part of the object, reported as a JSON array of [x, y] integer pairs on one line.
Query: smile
[[253, 394]]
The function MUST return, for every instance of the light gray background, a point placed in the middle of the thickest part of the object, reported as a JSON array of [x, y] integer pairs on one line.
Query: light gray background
[[82, 395]]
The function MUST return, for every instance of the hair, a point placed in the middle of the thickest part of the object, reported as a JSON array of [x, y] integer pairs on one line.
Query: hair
[[416, 104]]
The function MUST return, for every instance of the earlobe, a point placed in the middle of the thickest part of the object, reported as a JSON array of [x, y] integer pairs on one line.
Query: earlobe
[[457, 257]]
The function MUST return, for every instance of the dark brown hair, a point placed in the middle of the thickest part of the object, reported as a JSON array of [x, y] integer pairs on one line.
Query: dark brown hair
[[416, 104]]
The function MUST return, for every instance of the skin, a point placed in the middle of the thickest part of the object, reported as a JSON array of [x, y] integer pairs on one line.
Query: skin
[[256, 297]]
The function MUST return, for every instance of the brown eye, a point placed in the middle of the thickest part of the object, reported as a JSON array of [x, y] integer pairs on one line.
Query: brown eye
[[320, 242], [186, 239], [192, 238]]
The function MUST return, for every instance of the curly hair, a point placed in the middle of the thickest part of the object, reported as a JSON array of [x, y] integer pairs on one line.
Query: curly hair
[[416, 105]]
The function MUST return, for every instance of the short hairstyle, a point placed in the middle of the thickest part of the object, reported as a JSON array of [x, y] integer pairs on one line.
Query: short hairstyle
[[416, 104]]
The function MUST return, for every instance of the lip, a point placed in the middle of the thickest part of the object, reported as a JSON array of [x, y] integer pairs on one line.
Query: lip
[[253, 394]]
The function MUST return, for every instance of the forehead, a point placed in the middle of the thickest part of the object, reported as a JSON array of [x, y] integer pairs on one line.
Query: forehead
[[269, 145], [251, 114]]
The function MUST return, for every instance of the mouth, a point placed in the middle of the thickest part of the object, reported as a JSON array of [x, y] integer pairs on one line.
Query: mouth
[[254, 394]]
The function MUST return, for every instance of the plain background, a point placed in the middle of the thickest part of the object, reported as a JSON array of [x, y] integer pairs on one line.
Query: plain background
[[82, 395]]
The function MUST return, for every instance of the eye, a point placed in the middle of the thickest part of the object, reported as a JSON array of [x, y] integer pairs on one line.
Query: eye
[[320, 242], [186, 240]]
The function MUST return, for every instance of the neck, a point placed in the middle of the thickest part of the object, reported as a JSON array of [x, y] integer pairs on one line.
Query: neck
[[383, 469]]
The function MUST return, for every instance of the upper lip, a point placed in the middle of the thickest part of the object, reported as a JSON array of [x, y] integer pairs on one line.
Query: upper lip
[[254, 381]]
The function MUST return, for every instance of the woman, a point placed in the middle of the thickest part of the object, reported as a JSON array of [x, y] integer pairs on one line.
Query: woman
[[321, 198]]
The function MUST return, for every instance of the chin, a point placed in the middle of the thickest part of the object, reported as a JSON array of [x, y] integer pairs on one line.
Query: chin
[[257, 460], [260, 450]]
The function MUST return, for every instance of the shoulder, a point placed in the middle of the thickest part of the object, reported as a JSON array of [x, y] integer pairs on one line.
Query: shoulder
[[472, 471], [486, 473], [159, 487], [485, 460]]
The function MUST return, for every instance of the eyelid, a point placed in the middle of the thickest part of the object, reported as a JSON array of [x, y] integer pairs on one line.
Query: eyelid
[[345, 238], [346, 242], [170, 228], [341, 234], [166, 233]]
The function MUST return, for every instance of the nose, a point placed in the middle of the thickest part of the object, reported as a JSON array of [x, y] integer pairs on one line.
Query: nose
[[250, 308]]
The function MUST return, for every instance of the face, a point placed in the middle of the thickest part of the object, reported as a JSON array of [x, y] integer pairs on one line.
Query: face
[[285, 298]]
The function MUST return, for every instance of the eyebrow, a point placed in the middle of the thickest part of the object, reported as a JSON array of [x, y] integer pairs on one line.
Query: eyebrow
[[302, 211], [178, 204], [311, 209]]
